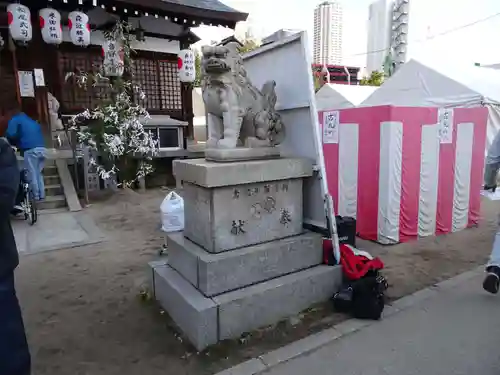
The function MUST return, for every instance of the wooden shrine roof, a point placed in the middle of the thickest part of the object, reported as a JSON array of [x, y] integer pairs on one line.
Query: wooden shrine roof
[[212, 11], [230, 39], [191, 13]]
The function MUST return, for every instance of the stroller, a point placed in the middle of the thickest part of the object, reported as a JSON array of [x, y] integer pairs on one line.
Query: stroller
[[25, 200]]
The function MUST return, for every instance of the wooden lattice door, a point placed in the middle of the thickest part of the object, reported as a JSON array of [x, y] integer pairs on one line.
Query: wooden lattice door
[[157, 76], [74, 98]]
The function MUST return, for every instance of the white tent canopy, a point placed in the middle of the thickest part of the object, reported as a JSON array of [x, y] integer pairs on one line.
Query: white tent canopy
[[335, 96], [422, 84]]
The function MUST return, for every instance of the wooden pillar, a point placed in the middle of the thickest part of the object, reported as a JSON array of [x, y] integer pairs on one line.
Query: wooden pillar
[[187, 95]]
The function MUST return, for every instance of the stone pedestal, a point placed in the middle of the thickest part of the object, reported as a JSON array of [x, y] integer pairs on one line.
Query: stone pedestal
[[243, 260]]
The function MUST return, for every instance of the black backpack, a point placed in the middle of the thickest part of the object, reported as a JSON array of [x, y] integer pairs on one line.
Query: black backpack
[[363, 298]]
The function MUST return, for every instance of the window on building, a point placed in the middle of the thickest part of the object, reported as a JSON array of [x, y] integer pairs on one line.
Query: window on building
[[155, 73], [167, 137], [74, 98]]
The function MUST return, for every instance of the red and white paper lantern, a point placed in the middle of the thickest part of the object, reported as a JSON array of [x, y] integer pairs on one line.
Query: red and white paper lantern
[[50, 25], [113, 55], [19, 19], [186, 65], [79, 28]]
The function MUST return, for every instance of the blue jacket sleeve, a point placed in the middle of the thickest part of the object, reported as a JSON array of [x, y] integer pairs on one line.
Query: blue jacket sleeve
[[11, 133], [9, 178]]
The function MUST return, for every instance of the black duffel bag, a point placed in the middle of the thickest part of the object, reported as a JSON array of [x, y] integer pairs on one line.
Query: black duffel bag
[[363, 298]]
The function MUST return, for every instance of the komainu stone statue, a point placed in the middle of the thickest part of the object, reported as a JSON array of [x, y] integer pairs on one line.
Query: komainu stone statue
[[238, 114]]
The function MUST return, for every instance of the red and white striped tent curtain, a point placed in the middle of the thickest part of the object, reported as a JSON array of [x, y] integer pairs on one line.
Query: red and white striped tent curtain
[[393, 170]]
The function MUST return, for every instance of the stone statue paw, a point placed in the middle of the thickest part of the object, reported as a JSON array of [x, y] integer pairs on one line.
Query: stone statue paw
[[226, 143], [211, 143], [253, 142]]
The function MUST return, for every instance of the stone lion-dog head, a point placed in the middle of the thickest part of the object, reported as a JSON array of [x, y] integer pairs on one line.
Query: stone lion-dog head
[[221, 62]]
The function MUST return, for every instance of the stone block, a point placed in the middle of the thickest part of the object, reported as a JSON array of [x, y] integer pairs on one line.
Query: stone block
[[215, 274], [151, 272], [232, 217], [194, 314], [266, 303], [241, 154], [210, 174], [184, 256]]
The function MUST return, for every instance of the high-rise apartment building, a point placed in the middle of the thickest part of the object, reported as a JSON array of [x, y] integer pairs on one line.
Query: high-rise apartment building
[[399, 32], [327, 42], [406, 29], [388, 29], [379, 35]]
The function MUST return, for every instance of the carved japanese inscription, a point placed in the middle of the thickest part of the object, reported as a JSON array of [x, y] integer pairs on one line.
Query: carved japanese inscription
[[263, 202], [238, 227]]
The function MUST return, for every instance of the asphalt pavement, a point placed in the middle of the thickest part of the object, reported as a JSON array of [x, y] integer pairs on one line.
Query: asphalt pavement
[[454, 330]]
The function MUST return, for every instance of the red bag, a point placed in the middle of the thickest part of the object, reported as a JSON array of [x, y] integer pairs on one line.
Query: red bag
[[354, 266]]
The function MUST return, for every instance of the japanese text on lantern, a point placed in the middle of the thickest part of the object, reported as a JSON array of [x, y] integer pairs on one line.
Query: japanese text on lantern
[[79, 27], [189, 61], [186, 65], [53, 25], [331, 127], [111, 53], [113, 58], [24, 21]]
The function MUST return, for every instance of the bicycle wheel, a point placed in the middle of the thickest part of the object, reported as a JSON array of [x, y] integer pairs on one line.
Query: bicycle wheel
[[33, 210], [26, 207]]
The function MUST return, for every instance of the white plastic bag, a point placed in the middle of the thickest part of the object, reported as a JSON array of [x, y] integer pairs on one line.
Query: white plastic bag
[[172, 213]]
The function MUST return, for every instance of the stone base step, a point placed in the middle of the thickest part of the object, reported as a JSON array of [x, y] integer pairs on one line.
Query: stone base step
[[215, 274], [51, 180], [53, 190], [51, 202], [205, 320], [50, 170], [49, 162], [51, 211]]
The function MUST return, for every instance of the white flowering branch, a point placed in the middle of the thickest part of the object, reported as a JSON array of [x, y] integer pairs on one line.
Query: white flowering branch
[[115, 129]]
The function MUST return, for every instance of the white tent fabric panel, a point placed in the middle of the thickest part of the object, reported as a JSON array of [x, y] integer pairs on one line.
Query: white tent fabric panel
[[389, 206], [348, 169], [463, 166], [429, 175], [335, 96]]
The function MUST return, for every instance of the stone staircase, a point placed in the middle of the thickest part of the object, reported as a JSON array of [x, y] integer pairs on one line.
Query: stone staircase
[[55, 198]]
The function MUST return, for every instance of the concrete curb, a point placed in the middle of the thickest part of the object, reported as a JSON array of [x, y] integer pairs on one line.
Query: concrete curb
[[311, 343]]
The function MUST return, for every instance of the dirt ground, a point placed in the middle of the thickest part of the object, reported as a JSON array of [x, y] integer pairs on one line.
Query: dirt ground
[[84, 314]]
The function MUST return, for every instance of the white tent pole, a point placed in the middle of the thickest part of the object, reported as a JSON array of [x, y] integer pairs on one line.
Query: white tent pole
[[348, 75]]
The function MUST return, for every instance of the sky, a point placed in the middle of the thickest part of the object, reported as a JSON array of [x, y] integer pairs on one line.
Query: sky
[[472, 44]]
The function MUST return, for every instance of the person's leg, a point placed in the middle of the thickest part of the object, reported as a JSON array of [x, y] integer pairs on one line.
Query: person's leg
[[14, 352], [31, 165], [490, 176], [492, 280]]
